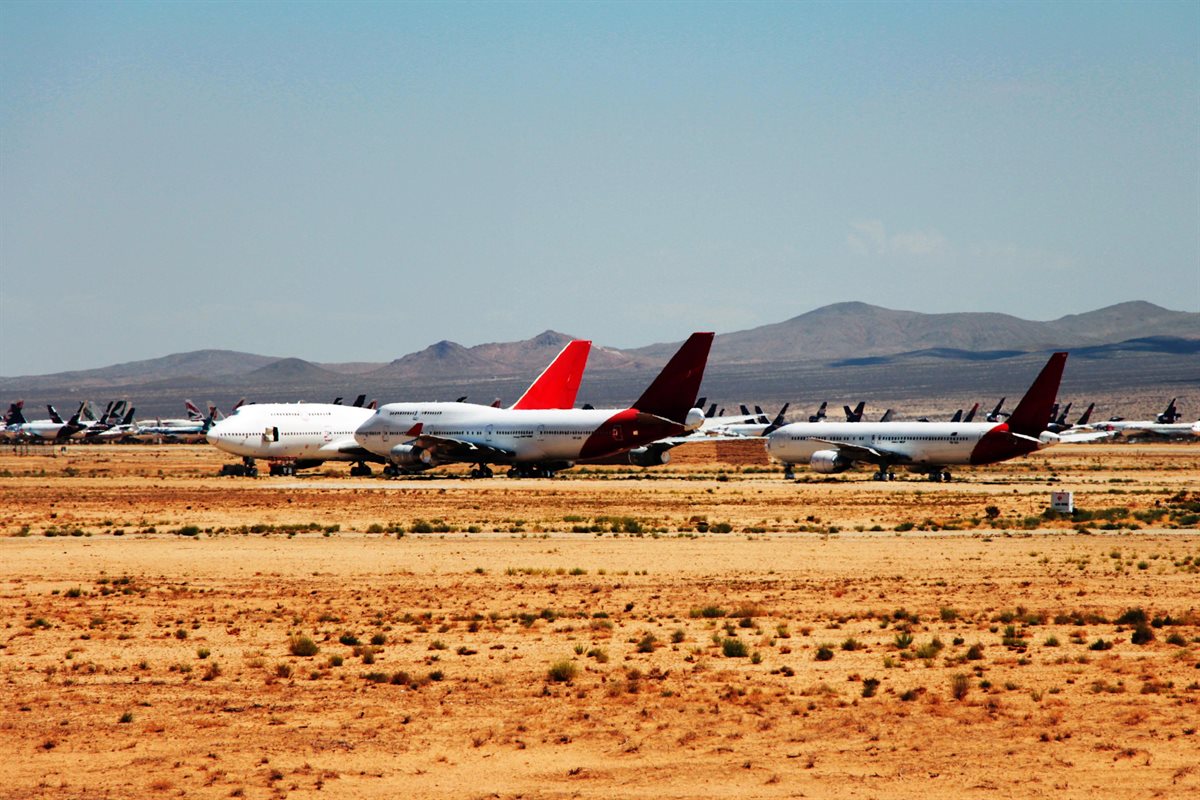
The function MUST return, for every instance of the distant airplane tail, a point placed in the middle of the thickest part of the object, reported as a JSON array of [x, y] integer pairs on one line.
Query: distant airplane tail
[[887, 416], [856, 414], [558, 384], [15, 415], [358, 401], [970, 415], [1087, 415], [671, 394], [778, 422], [1170, 415], [712, 410], [193, 412], [996, 412], [55, 417], [820, 415], [1030, 416], [957, 416]]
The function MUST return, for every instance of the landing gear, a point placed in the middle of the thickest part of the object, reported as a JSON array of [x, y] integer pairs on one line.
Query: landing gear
[[789, 472], [391, 471], [361, 470], [482, 471], [941, 476], [282, 469], [884, 475]]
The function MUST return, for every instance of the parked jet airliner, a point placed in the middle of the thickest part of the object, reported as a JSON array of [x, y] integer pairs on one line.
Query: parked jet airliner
[[294, 436], [927, 447], [534, 441]]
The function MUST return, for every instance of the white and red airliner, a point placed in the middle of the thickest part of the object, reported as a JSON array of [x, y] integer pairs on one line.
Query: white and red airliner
[[540, 439], [923, 447], [292, 436]]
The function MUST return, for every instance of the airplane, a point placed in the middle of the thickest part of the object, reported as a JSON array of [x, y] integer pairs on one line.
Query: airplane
[[539, 439], [856, 414], [54, 428], [294, 436], [923, 447], [995, 415], [188, 431], [14, 418], [1166, 424], [126, 427]]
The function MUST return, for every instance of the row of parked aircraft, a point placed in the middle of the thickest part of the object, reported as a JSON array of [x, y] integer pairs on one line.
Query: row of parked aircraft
[[543, 432]]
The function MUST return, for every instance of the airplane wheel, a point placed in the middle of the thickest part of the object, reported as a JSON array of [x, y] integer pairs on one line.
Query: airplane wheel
[[514, 473], [947, 477], [891, 476], [252, 472]]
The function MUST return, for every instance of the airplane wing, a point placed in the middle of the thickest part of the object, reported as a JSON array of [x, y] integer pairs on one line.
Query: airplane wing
[[445, 448], [858, 452], [1090, 436]]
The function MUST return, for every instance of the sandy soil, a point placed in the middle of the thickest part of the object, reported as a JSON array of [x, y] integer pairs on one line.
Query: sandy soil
[[159, 662]]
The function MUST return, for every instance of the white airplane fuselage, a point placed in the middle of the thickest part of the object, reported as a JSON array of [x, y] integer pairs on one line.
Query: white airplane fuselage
[[506, 435], [932, 444], [290, 431]]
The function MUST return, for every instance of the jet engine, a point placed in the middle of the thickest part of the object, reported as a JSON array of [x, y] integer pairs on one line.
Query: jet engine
[[649, 456], [828, 461], [693, 420], [405, 455]]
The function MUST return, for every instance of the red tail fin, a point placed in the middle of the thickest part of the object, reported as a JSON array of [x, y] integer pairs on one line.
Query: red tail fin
[[557, 386], [1030, 415], [675, 389]]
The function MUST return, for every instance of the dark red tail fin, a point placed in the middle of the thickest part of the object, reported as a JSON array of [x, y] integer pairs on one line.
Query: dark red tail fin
[[1031, 414], [558, 385], [674, 390]]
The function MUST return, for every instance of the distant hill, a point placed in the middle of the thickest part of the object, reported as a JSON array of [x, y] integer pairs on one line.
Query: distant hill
[[288, 371], [495, 359], [844, 346], [194, 364], [858, 330]]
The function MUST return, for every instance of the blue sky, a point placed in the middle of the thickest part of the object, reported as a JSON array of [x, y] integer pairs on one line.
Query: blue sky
[[355, 181]]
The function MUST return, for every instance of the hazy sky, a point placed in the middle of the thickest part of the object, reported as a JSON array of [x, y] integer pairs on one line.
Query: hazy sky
[[354, 181]]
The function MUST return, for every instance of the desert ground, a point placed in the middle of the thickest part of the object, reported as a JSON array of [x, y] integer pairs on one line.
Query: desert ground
[[706, 629]]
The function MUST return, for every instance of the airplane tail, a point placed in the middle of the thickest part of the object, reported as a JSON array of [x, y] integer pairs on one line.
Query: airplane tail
[[970, 415], [1087, 415], [887, 416], [15, 415], [128, 420], [55, 417], [192, 411], [856, 414], [671, 394], [337, 401], [558, 384], [820, 415], [997, 412], [712, 410], [358, 401], [778, 422], [1170, 415], [957, 416], [1030, 415], [700, 401]]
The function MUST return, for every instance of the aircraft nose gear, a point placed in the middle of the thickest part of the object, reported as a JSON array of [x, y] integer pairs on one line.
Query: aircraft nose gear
[[482, 471], [789, 472], [245, 470]]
